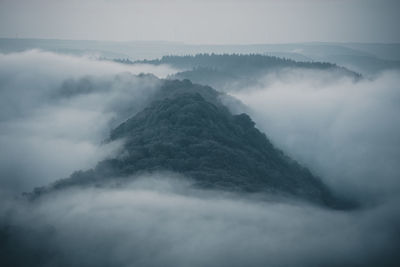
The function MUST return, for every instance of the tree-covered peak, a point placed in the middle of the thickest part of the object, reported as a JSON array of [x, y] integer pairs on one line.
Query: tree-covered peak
[[187, 130]]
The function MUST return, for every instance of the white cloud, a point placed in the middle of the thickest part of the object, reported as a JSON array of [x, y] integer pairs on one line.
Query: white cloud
[[159, 220], [348, 133], [56, 110]]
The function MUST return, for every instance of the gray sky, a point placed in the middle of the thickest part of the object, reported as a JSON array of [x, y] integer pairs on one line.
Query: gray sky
[[205, 22]]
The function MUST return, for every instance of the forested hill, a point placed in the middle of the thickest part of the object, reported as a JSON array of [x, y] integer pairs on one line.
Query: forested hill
[[188, 131], [229, 72], [238, 63]]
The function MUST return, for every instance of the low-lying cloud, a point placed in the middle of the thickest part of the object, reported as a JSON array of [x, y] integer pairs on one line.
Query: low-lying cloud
[[346, 132], [160, 220], [56, 111]]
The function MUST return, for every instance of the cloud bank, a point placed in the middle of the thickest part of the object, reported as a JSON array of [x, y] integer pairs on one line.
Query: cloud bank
[[159, 220], [348, 133], [56, 110]]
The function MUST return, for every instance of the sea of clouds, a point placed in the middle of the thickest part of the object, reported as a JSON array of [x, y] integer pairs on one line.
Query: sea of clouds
[[57, 110]]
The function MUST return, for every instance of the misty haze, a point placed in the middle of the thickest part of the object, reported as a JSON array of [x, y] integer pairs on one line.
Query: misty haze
[[199, 133]]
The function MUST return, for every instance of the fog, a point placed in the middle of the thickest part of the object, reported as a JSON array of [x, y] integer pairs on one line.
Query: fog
[[56, 111], [159, 220], [348, 133]]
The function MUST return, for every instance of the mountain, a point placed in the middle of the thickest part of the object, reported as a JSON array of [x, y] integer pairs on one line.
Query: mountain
[[186, 129]]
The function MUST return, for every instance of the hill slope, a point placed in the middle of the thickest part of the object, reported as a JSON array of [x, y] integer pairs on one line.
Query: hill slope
[[235, 72], [187, 130]]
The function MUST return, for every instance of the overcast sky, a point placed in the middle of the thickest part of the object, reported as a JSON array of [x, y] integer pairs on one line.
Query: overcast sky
[[205, 22]]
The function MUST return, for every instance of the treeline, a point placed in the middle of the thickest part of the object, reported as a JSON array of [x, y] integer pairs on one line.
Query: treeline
[[234, 61], [227, 72]]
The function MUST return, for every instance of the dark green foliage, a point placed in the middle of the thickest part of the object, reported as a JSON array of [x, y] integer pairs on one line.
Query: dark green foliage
[[187, 130], [235, 71], [236, 62]]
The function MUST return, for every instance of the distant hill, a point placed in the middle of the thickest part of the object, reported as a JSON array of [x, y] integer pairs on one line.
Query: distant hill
[[227, 72], [186, 129], [366, 58]]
